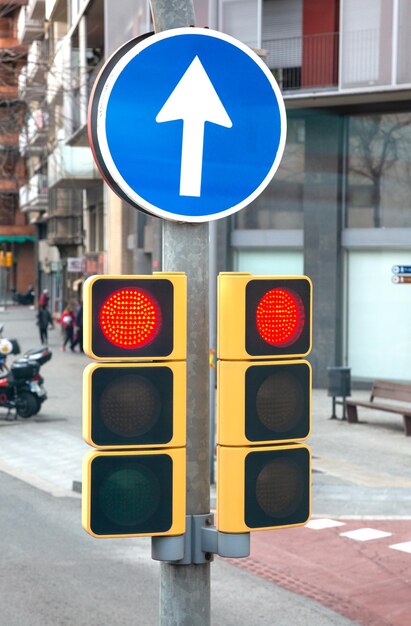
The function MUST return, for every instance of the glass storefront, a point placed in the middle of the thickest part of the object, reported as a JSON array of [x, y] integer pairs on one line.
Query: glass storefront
[[281, 203], [378, 186]]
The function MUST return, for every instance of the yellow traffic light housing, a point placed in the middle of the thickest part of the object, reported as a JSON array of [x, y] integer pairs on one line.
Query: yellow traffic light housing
[[263, 488], [134, 493], [126, 405], [264, 402], [264, 317], [134, 407], [135, 318]]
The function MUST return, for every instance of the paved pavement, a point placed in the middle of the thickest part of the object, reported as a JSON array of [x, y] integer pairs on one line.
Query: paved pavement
[[361, 485]]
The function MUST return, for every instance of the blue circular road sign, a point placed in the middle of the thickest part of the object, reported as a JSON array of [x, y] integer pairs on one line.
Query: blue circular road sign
[[188, 124]]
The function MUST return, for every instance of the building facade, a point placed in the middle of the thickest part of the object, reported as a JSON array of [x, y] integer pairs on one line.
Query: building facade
[[339, 207], [16, 235]]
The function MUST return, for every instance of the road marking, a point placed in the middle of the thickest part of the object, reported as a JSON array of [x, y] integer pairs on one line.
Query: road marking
[[403, 547], [319, 524], [365, 534]]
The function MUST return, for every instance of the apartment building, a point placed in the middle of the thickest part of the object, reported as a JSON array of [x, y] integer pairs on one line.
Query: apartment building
[[339, 207], [16, 236]]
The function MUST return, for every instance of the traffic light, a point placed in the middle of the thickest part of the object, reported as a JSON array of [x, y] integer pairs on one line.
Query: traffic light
[[129, 405], [135, 317], [134, 407], [264, 402]]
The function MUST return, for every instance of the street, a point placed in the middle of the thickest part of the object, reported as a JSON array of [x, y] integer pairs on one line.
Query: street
[[55, 574]]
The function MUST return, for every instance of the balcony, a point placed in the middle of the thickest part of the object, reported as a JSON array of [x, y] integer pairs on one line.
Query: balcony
[[34, 195], [65, 230], [36, 9], [309, 62], [72, 166], [29, 28], [34, 137], [56, 10], [28, 90], [339, 64], [57, 75], [36, 63]]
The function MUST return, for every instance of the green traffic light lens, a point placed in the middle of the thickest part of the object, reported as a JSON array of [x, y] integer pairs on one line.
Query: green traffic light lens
[[280, 402], [130, 406], [130, 495]]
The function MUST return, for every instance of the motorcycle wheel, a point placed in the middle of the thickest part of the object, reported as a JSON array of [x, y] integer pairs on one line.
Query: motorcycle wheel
[[38, 405], [26, 404]]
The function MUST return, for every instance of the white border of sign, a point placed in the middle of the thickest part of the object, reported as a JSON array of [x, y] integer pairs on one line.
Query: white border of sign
[[101, 124]]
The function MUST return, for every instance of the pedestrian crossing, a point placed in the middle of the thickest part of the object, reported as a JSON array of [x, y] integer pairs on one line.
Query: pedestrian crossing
[[359, 534]]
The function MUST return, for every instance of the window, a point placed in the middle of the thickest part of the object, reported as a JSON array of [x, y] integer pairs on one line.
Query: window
[[379, 171], [281, 203]]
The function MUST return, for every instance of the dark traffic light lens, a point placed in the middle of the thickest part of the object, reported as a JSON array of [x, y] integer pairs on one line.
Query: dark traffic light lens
[[130, 318], [280, 317], [279, 488], [280, 402], [130, 406], [130, 495]]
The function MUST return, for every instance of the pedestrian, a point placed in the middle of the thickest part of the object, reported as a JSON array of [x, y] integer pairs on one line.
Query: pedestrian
[[44, 298], [78, 339], [67, 324], [44, 321]]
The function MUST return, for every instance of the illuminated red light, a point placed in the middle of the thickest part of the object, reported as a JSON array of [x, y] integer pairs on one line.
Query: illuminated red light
[[280, 317], [130, 318]]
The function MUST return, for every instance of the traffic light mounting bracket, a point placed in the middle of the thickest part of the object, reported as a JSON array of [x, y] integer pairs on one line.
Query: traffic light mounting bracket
[[199, 543]]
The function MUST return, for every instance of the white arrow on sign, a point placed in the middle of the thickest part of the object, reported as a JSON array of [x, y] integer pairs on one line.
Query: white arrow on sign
[[195, 101]]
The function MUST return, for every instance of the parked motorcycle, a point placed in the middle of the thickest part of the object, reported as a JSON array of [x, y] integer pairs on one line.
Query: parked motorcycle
[[24, 298], [21, 385]]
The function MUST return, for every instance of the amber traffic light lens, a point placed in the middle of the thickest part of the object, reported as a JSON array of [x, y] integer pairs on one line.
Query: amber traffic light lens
[[280, 402], [130, 318], [130, 406]]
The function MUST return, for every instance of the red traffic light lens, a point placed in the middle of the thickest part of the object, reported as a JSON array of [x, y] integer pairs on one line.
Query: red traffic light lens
[[130, 318], [280, 317]]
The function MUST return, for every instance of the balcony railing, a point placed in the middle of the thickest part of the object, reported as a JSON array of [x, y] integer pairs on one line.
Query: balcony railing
[[72, 167], [65, 230], [36, 9], [304, 62], [36, 62], [34, 195]]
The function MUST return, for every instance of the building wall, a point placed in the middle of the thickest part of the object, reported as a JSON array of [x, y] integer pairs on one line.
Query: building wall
[[25, 270]]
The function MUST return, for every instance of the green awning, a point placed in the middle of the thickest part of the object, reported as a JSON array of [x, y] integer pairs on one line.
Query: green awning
[[17, 238]]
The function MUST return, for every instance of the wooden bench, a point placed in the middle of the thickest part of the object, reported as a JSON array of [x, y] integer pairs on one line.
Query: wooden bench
[[385, 390]]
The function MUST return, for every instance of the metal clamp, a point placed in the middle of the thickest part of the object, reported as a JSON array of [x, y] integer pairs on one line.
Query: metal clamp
[[199, 543]]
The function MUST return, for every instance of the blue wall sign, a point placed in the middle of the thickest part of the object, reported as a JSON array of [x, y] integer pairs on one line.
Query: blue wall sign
[[188, 124]]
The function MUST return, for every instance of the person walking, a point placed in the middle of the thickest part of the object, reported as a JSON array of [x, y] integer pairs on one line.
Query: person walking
[[67, 324], [44, 321], [44, 298], [78, 339]]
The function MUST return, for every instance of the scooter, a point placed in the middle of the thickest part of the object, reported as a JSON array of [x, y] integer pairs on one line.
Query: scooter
[[22, 386], [24, 298]]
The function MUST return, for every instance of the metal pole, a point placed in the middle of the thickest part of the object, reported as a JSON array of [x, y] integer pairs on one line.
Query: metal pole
[[185, 589]]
